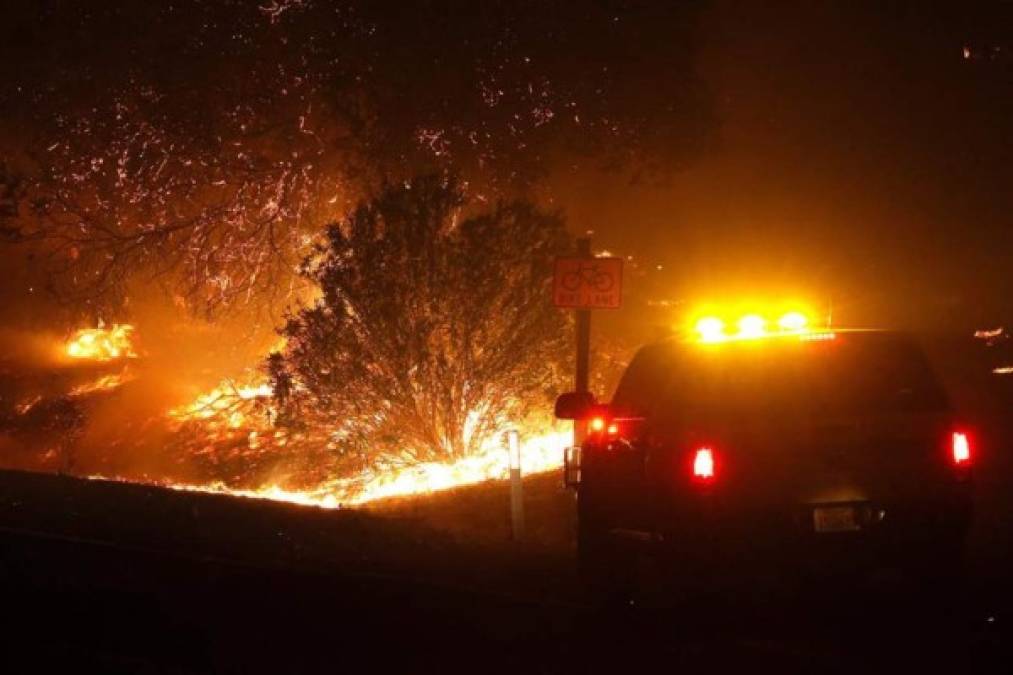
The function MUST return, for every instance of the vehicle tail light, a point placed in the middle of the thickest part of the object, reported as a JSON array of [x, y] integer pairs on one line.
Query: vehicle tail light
[[612, 429], [960, 446], [703, 464], [605, 427]]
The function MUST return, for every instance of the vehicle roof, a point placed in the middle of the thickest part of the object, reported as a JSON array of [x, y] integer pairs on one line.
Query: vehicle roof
[[681, 348], [855, 362], [789, 336], [682, 344]]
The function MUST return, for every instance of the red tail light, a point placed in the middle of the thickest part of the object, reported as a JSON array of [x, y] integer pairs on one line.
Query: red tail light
[[608, 429], [960, 445], [703, 464]]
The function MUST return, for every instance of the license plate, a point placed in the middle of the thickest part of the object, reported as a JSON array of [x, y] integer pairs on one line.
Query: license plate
[[835, 519]]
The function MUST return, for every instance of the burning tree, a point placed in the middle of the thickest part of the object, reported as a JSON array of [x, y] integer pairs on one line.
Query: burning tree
[[433, 326], [207, 170], [200, 148]]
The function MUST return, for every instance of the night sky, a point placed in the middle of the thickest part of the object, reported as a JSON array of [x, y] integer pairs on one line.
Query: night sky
[[862, 159], [858, 154]]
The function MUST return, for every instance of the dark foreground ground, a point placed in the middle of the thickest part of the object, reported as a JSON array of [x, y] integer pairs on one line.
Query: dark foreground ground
[[109, 577], [105, 577]]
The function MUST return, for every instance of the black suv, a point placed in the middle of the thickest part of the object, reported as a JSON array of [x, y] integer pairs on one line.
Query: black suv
[[785, 448]]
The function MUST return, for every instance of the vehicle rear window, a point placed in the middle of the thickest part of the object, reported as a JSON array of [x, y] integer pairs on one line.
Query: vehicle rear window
[[853, 374], [647, 378]]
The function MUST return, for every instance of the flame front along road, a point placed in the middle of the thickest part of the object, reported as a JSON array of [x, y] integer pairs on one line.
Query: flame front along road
[[239, 416]]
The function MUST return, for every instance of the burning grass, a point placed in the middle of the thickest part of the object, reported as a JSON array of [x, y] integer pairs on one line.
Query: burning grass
[[105, 383], [233, 422], [228, 436], [540, 453]]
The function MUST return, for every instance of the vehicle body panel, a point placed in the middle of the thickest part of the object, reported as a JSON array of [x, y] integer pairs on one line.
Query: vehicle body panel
[[800, 434]]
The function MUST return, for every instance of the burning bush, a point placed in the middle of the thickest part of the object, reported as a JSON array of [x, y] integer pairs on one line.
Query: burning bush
[[433, 327]]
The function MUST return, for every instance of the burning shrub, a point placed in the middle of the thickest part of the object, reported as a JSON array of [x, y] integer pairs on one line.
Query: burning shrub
[[433, 327]]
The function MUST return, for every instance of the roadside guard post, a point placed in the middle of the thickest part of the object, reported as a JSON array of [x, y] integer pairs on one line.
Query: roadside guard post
[[583, 283], [512, 444]]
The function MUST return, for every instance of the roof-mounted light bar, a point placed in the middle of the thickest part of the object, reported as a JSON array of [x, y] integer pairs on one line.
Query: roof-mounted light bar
[[752, 326], [711, 329], [793, 321]]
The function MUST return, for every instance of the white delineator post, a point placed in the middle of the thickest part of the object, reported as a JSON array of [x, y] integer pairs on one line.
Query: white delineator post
[[512, 444]]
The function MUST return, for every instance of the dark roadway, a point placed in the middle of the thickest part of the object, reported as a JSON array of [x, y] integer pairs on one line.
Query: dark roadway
[[113, 577], [160, 581]]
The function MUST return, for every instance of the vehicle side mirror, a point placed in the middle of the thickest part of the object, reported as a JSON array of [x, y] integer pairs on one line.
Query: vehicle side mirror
[[574, 405]]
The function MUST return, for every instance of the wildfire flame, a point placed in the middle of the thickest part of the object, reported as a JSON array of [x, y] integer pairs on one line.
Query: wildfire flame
[[227, 411], [221, 407], [102, 344], [104, 383], [539, 453], [238, 414], [25, 407]]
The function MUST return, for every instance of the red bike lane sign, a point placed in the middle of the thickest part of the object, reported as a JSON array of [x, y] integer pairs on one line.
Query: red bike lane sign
[[588, 283]]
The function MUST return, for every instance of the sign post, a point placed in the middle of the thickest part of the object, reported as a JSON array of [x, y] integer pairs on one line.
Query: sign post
[[582, 375], [584, 283]]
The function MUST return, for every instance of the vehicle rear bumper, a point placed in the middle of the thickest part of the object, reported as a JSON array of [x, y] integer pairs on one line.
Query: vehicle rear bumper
[[889, 534]]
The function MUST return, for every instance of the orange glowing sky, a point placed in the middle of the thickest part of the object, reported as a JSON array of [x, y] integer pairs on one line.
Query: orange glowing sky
[[860, 159]]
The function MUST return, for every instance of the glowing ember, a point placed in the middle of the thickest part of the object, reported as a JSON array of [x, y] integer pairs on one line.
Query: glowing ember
[[273, 493], [102, 344], [104, 383], [25, 407], [222, 406], [988, 334]]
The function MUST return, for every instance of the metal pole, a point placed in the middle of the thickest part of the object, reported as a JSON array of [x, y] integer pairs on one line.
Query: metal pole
[[583, 316], [512, 443]]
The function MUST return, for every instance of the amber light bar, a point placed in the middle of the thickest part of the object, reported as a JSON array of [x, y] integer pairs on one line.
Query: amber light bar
[[712, 329]]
